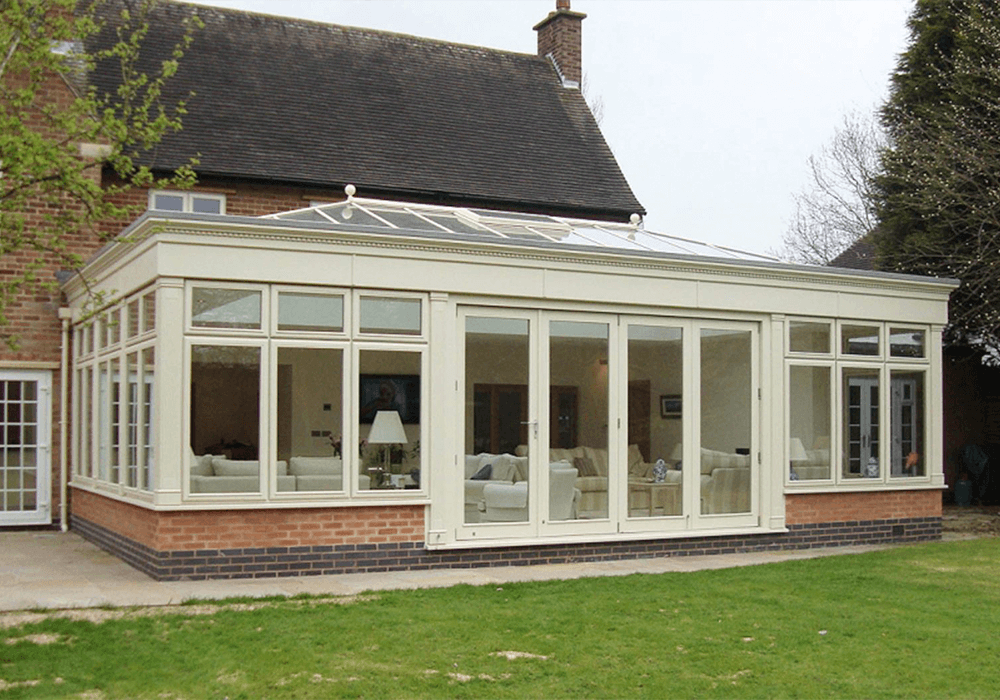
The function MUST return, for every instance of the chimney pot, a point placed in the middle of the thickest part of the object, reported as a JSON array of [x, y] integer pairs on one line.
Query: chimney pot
[[560, 38]]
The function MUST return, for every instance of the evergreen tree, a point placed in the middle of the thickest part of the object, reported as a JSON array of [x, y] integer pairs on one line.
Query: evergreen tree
[[938, 198]]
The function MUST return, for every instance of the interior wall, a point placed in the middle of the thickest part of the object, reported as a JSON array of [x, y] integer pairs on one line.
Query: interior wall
[[393, 362], [662, 364], [726, 383], [492, 359], [315, 400]]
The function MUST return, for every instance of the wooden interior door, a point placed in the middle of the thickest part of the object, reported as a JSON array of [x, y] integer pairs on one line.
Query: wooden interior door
[[639, 411]]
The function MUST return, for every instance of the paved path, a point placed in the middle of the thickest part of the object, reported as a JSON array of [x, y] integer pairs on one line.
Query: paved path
[[62, 570]]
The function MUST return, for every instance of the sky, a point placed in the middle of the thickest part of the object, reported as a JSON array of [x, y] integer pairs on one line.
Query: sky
[[712, 107]]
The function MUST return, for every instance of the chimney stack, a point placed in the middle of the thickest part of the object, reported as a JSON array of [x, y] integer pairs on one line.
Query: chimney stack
[[559, 38]]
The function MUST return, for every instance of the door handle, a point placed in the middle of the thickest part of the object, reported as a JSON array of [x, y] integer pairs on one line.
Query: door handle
[[532, 423]]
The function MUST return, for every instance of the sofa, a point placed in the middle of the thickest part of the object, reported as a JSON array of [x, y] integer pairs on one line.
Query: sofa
[[725, 482], [485, 468], [215, 474], [504, 502], [815, 466]]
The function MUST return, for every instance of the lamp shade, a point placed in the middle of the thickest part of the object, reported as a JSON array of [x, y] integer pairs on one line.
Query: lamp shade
[[387, 429], [678, 453], [796, 452]]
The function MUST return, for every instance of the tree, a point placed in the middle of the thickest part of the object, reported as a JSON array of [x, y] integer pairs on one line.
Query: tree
[[938, 197], [57, 132], [835, 209]]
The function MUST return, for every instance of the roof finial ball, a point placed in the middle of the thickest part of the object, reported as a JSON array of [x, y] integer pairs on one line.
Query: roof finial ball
[[634, 219], [350, 190]]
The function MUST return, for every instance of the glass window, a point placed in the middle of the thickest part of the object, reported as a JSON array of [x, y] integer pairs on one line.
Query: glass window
[[133, 396], [906, 408], [149, 311], [87, 428], [655, 427], [310, 312], [726, 420], [390, 315], [115, 327], [225, 419], [132, 325], [906, 342], [496, 417], [389, 419], [809, 423], [808, 336], [148, 366], [310, 419], [168, 202], [859, 340], [102, 332], [861, 423], [205, 205], [215, 307]]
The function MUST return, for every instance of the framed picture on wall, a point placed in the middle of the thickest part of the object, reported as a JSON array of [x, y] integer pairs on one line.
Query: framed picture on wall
[[670, 405], [390, 392]]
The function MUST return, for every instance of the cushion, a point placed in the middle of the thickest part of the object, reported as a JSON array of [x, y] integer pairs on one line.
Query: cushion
[[282, 466], [634, 456], [599, 457], [585, 467], [235, 467], [520, 468], [484, 473], [315, 466], [201, 466], [505, 468], [471, 465], [521, 451]]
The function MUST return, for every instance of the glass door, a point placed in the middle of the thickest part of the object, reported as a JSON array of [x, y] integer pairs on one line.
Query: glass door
[[726, 425], [500, 434], [25, 466]]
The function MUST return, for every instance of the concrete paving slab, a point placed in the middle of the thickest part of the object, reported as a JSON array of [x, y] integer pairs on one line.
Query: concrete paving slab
[[49, 570]]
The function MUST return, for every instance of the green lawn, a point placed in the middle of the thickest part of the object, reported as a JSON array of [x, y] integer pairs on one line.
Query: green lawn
[[913, 622]]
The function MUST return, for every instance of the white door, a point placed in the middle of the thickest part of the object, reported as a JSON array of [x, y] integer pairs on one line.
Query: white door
[[25, 453]]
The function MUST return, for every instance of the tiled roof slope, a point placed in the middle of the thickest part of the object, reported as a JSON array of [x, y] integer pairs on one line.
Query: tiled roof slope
[[315, 104], [859, 256]]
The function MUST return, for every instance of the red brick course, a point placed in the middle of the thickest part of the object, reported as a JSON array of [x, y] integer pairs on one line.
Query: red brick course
[[232, 529], [813, 508]]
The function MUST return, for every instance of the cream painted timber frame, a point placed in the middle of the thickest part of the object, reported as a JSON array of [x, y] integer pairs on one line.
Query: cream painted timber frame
[[265, 309], [508, 277], [347, 308], [885, 363]]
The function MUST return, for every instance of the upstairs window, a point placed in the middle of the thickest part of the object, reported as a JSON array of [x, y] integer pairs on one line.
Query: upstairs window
[[188, 202]]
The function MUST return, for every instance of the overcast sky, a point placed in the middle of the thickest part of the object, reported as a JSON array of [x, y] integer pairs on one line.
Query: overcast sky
[[712, 107]]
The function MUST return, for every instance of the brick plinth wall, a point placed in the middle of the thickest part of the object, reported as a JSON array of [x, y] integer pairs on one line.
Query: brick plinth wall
[[303, 542], [816, 508]]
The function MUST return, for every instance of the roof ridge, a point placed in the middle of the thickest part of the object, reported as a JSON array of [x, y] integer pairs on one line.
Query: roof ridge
[[354, 29]]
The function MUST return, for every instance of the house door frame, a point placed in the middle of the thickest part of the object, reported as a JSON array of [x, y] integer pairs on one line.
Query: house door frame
[[34, 394]]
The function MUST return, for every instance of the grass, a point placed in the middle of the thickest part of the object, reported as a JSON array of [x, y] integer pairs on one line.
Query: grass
[[912, 622]]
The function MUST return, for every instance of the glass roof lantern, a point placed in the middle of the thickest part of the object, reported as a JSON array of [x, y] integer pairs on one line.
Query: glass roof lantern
[[501, 226]]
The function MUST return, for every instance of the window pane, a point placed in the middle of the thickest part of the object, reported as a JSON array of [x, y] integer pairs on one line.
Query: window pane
[[213, 307], [205, 205], [809, 412], [310, 421], [861, 423], [115, 327], [132, 399], [578, 419], [383, 315], [655, 407], [496, 416], [132, 325], [102, 333], [806, 336], [390, 396], [148, 453], [906, 342], [87, 438], [104, 422], [225, 419], [168, 202], [859, 340], [726, 416], [149, 311], [907, 414], [114, 437], [310, 312]]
